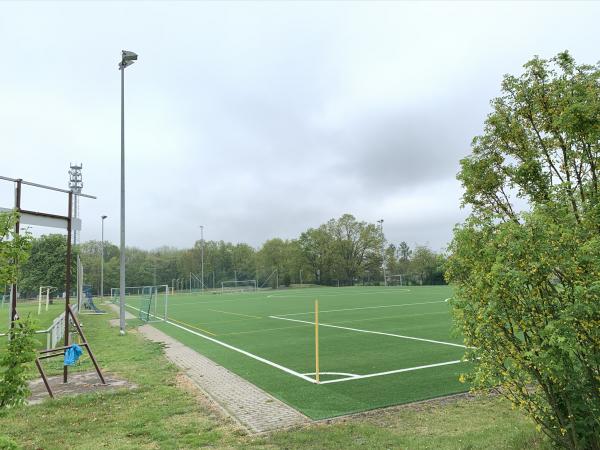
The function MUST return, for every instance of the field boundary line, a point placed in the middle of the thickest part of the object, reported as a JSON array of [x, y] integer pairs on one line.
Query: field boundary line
[[372, 332], [192, 326], [390, 372], [344, 294], [239, 350], [234, 314], [365, 307]]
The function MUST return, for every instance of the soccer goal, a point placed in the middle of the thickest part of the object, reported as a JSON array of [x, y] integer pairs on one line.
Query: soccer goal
[[238, 286], [44, 297], [150, 302], [395, 280]]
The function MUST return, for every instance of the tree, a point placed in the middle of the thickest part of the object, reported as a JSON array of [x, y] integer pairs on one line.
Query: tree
[[527, 294], [46, 264], [404, 252], [315, 246], [355, 245], [20, 351], [14, 248]]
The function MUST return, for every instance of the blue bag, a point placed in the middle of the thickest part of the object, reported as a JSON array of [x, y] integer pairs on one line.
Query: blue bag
[[72, 354]]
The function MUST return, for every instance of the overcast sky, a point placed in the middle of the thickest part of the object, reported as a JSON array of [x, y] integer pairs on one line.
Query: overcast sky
[[260, 120]]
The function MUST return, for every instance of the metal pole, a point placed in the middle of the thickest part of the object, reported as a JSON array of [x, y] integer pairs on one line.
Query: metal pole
[[102, 262], [68, 282], [122, 247], [13, 301], [202, 254]]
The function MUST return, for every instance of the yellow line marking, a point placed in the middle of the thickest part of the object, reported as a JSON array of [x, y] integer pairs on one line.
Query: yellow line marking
[[191, 326], [264, 330], [235, 314]]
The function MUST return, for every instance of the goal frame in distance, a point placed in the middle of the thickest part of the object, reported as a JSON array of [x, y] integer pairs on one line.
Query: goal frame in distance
[[162, 291], [249, 286]]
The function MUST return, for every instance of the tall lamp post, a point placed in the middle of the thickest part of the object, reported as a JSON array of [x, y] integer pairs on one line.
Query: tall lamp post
[[102, 261], [202, 255], [380, 222], [127, 59]]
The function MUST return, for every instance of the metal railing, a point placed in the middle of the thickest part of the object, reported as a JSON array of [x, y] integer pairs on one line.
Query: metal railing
[[55, 332]]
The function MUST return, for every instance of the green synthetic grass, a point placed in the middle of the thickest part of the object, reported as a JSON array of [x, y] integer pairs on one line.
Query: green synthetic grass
[[160, 414], [245, 321]]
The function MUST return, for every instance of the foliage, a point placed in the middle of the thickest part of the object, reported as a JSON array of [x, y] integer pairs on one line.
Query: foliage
[[7, 444], [46, 265], [342, 250], [19, 353], [14, 248], [526, 263]]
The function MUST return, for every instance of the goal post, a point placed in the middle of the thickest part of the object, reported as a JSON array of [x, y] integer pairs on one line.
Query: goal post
[[149, 302], [238, 286], [395, 280], [44, 296]]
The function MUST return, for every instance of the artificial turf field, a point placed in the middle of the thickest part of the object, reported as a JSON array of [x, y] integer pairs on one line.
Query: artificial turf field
[[378, 346]]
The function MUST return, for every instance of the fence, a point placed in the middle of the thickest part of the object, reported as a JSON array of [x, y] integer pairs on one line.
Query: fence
[[55, 332]]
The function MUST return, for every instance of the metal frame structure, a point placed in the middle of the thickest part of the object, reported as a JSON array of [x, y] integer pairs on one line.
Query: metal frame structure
[[58, 221], [252, 284], [46, 296]]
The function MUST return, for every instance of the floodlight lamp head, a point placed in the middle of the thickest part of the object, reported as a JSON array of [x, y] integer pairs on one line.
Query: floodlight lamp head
[[127, 58], [104, 217]]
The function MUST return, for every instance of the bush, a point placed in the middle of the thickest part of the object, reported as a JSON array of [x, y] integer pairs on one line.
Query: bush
[[527, 296], [20, 352]]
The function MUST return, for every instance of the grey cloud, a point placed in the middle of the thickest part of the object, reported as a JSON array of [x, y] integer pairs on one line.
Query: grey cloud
[[263, 119]]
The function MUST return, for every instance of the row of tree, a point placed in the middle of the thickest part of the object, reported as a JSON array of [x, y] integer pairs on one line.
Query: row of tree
[[343, 251]]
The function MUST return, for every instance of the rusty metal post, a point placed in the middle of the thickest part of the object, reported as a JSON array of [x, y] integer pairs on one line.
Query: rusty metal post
[[13, 302], [68, 282]]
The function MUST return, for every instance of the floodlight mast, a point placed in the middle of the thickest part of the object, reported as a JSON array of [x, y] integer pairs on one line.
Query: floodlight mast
[[127, 59]]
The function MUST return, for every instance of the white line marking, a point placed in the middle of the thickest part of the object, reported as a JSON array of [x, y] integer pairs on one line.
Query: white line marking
[[390, 372], [341, 294], [366, 307], [349, 375], [239, 350], [372, 332]]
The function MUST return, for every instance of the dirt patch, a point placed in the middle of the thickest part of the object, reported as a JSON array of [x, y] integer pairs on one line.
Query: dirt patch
[[79, 383]]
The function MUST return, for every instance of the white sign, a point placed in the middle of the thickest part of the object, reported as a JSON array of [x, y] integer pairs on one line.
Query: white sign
[[44, 221]]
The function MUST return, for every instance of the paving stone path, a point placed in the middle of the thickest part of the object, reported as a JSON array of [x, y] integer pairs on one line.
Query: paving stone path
[[256, 410]]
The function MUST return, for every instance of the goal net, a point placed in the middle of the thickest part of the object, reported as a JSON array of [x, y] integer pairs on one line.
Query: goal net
[[396, 280], [238, 286], [150, 302]]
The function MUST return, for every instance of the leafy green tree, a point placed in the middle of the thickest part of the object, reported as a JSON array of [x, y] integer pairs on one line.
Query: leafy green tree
[[20, 353], [46, 264], [14, 248], [424, 264], [316, 248], [356, 245], [404, 252], [526, 263]]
